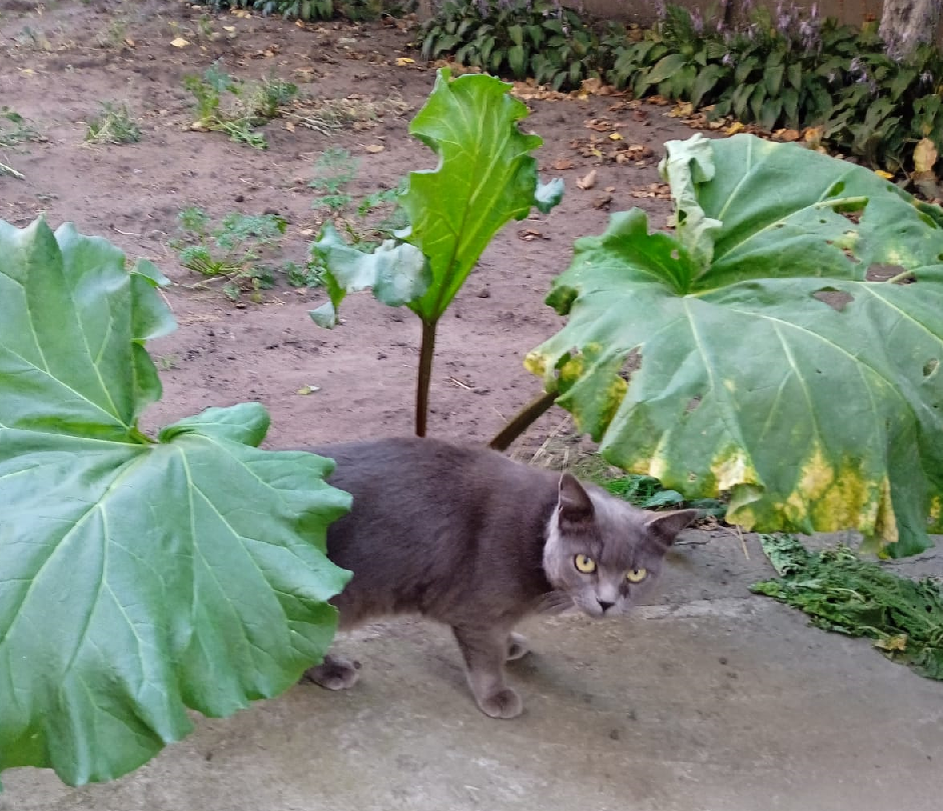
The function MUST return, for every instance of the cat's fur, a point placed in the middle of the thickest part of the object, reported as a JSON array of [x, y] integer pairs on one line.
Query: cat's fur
[[467, 537]]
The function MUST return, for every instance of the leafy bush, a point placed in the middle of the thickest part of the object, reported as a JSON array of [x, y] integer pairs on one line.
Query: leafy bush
[[517, 39], [356, 10], [789, 70], [115, 125], [142, 576]]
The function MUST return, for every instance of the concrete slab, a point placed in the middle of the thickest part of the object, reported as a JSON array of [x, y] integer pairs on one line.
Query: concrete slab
[[710, 700]]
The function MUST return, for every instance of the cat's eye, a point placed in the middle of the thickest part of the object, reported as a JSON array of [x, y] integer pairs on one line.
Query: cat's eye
[[584, 564], [636, 575]]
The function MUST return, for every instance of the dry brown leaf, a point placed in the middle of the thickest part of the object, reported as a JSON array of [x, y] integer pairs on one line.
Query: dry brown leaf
[[598, 124], [603, 201], [561, 164], [289, 126], [812, 135], [681, 110], [587, 182], [179, 42], [373, 149], [925, 156], [787, 135], [529, 235], [402, 61]]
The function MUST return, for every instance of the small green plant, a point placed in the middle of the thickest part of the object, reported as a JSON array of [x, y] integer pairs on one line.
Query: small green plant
[[231, 251], [376, 217], [115, 125], [333, 171], [251, 104], [14, 129], [517, 38], [311, 274]]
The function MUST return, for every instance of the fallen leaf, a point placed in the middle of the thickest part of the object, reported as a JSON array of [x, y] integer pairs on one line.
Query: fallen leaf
[[309, 389], [787, 135], [598, 124], [529, 235], [402, 61], [289, 126], [882, 173], [925, 155], [734, 128], [593, 85], [129, 42], [614, 136], [229, 28], [374, 148], [587, 182], [812, 135], [897, 642], [603, 201], [561, 164], [681, 110], [179, 42]]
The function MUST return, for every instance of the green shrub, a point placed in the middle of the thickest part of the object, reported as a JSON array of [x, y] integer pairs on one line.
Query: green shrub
[[516, 39], [306, 9]]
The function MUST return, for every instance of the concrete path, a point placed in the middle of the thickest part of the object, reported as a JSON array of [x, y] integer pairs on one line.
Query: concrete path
[[710, 700]]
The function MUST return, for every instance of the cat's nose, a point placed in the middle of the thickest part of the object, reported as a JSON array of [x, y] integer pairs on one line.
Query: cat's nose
[[605, 605]]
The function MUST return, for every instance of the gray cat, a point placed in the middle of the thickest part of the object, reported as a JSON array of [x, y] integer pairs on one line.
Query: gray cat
[[467, 537]]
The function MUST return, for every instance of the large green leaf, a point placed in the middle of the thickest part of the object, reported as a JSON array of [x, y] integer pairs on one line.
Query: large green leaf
[[769, 366], [486, 176], [137, 578]]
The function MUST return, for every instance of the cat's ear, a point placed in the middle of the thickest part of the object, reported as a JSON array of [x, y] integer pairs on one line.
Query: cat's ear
[[576, 507], [664, 527]]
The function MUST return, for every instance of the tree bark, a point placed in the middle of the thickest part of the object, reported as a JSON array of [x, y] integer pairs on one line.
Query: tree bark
[[907, 23]]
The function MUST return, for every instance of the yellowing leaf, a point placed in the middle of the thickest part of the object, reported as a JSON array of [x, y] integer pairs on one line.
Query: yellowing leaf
[[882, 173], [734, 128], [614, 136], [925, 155], [179, 42], [402, 61]]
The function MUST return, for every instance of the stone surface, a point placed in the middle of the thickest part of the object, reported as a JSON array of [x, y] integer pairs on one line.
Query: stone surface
[[709, 700]]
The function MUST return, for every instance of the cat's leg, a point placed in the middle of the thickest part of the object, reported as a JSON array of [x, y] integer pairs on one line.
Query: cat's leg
[[517, 647], [334, 673], [485, 651]]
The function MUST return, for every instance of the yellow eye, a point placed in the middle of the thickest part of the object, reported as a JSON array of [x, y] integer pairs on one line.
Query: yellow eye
[[636, 575], [584, 564]]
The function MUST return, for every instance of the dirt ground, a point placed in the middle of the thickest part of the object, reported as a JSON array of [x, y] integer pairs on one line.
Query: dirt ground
[[722, 702], [56, 67]]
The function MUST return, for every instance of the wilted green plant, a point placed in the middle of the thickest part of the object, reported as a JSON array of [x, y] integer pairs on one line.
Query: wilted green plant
[[114, 125]]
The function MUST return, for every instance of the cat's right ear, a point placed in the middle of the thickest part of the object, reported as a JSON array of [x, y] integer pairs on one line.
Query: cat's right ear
[[576, 507]]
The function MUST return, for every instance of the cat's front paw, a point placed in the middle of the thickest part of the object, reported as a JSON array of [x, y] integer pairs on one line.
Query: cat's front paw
[[334, 673], [505, 703], [517, 647]]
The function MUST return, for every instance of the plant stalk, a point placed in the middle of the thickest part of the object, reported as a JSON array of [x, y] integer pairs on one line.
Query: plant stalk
[[521, 421], [426, 352]]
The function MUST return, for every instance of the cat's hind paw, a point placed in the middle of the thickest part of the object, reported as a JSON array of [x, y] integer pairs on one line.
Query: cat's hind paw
[[334, 673], [517, 647], [504, 703]]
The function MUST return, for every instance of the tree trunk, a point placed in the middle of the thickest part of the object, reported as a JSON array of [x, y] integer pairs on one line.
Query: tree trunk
[[907, 23]]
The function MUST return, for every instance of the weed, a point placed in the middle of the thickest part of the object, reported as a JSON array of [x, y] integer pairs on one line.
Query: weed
[[251, 103], [167, 362], [235, 250], [14, 129], [114, 35], [334, 170], [115, 125]]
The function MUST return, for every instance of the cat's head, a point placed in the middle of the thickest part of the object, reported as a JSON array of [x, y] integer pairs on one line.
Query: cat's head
[[603, 553]]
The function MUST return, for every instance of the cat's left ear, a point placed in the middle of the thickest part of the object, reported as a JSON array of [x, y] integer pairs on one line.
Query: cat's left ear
[[576, 507], [665, 526]]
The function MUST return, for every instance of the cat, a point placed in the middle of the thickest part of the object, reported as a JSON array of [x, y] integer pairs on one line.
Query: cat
[[472, 539]]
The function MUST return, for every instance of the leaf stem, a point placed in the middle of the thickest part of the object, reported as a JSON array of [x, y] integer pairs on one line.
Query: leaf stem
[[521, 421], [426, 352]]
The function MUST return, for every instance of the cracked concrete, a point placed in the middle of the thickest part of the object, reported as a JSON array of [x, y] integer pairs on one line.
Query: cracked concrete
[[711, 699]]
